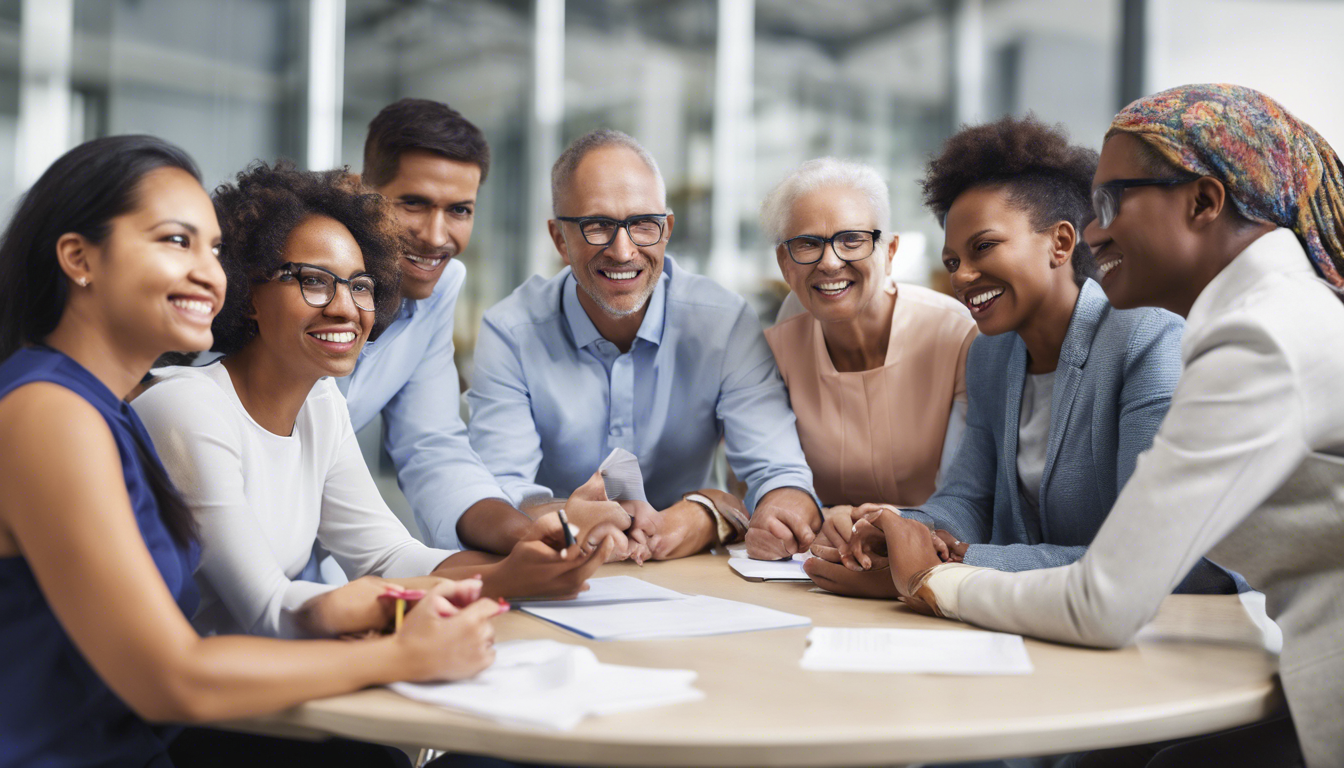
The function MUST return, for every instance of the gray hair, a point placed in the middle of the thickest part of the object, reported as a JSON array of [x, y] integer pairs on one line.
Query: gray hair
[[818, 174], [562, 173]]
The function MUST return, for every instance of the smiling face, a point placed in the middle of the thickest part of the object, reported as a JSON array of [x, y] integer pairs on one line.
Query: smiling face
[[833, 290], [1149, 255], [434, 200], [156, 276], [310, 341], [1001, 267], [616, 279]]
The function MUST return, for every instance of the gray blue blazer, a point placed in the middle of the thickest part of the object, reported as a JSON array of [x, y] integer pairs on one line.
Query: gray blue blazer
[[1113, 384]]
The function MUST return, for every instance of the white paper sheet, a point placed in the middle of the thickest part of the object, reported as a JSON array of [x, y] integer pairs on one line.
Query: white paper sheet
[[546, 684], [771, 570], [622, 476], [915, 651], [610, 589], [696, 616]]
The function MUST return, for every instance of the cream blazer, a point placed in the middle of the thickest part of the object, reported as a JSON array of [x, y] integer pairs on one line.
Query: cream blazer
[[1253, 449]]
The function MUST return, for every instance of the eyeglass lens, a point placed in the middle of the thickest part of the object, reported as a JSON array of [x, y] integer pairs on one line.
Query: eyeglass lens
[[319, 288], [1105, 205], [642, 231], [849, 246]]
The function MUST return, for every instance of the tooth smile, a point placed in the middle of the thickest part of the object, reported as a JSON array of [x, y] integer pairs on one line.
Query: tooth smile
[[343, 337], [620, 275], [194, 305], [835, 287], [428, 261], [1106, 267], [981, 298]]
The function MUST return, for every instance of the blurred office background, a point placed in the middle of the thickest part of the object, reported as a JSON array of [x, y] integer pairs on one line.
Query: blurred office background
[[727, 94]]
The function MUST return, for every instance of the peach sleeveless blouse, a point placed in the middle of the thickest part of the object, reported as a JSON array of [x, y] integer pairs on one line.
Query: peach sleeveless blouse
[[877, 435]]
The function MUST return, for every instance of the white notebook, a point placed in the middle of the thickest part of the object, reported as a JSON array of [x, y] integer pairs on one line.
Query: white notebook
[[916, 651], [695, 616]]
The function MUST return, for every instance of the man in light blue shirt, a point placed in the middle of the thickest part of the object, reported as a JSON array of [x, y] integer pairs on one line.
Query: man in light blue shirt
[[429, 162], [624, 349]]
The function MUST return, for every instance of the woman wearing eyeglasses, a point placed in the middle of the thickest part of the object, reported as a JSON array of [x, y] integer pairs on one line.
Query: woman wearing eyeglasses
[[1248, 247], [261, 444], [875, 370], [110, 261], [1064, 391]]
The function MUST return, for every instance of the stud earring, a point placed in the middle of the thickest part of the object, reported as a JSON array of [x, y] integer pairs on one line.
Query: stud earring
[[83, 282]]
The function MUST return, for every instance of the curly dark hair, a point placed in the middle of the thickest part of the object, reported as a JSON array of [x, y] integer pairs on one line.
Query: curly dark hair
[[257, 215], [1043, 174]]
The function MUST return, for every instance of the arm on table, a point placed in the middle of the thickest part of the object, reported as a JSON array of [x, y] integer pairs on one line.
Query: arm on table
[[87, 555], [1234, 433], [761, 442]]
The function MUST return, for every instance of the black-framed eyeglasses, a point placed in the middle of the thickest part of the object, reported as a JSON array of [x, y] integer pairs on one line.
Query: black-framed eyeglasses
[[318, 285], [1106, 197], [644, 229], [848, 245]]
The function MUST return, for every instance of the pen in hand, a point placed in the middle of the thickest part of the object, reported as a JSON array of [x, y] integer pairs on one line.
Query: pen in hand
[[568, 531]]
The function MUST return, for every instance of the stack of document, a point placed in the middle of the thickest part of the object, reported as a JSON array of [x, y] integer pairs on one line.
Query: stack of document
[[545, 684], [768, 570], [916, 651], [626, 608]]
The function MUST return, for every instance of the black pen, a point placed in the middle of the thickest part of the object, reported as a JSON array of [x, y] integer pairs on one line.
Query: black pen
[[569, 534]]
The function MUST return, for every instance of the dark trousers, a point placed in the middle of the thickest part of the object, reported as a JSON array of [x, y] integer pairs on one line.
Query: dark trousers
[[1268, 744], [209, 748]]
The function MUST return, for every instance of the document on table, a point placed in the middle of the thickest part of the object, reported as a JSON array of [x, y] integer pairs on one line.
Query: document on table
[[547, 684], [608, 590], [695, 616], [770, 570], [915, 651], [622, 476]]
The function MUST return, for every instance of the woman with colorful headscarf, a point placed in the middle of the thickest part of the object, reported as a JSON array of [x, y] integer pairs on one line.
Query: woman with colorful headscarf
[[1217, 204]]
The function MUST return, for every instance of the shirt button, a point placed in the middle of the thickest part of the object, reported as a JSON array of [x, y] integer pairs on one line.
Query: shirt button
[[617, 431]]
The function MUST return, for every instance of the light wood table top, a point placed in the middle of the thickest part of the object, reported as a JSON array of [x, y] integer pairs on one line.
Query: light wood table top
[[762, 709]]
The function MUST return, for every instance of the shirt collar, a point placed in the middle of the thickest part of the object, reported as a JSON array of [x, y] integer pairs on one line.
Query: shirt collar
[[581, 326], [407, 309]]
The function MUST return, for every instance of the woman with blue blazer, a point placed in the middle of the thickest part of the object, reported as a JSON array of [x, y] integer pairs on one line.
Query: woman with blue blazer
[[1064, 391]]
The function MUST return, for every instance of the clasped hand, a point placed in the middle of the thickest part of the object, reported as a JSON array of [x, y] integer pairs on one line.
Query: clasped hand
[[871, 551], [638, 531]]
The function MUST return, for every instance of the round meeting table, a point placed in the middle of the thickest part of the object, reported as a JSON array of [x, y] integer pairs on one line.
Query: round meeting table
[[1200, 666]]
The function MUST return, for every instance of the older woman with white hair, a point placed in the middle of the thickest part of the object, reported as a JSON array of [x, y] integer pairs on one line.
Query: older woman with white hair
[[875, 369]]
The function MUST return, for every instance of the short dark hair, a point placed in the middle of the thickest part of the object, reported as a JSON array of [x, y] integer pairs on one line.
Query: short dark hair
[[422, 124], [256, 217], [1043, 174]]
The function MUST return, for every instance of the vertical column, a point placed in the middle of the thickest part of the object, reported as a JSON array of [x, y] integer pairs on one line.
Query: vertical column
[[734, 141], [968, 62], [543, 137], [326, 82], [45, 45]]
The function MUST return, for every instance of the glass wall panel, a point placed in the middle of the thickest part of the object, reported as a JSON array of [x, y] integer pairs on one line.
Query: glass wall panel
[[9, 103], [221, 78]]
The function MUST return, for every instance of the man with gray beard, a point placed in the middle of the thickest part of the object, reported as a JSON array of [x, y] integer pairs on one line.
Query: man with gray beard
[[624, 349]]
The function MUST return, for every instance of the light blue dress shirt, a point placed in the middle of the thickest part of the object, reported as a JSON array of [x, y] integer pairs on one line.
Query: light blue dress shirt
[[408, 375], [550, 397]]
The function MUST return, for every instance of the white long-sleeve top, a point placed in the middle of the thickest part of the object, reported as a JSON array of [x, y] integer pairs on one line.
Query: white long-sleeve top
[[1252, 452], [262, 499]]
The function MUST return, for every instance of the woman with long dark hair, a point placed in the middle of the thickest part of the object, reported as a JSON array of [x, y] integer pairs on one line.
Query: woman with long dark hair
[[109, 262]]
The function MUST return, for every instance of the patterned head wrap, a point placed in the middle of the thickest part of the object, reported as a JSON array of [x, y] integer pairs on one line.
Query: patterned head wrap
[[1276, 168]]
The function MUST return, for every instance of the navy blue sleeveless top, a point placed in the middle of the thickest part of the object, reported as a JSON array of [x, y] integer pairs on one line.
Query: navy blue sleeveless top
[[54, 708]]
